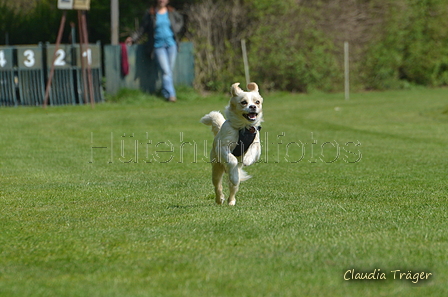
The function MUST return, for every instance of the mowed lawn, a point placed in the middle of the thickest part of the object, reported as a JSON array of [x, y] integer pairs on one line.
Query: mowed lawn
[[118, 201]]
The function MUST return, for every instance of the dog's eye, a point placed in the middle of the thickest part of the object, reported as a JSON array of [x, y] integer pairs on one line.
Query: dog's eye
[[244, 102], [257, 102]]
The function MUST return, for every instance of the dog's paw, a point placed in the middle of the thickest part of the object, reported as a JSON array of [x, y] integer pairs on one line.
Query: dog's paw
[[232, 202], [220, 200]]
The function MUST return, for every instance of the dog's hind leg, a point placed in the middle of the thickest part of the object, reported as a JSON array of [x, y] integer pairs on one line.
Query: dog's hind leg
[[217, 173]]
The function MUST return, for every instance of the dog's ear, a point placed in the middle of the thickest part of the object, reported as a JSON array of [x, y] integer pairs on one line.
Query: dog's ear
[[253, 87], [236, 90]]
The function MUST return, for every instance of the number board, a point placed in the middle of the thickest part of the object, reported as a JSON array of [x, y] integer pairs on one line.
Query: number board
[[29, 57], [81, 4], [65, 4], [90, 55], [74, 4], [63, 58], [6, 58]]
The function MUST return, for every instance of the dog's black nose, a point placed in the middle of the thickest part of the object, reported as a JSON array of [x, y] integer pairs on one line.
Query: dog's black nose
[[252, 107]]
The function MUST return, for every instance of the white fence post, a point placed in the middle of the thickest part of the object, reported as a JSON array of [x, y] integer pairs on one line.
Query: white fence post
[[246, 63], [346, 71]]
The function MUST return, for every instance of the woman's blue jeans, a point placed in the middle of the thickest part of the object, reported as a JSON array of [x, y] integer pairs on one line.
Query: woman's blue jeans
[[166, 56]]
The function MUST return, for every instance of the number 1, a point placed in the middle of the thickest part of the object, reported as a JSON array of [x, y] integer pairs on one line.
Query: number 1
[[88, 54]]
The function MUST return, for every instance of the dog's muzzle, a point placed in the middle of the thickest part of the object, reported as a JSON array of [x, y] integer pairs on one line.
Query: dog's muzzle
[[251, 116]]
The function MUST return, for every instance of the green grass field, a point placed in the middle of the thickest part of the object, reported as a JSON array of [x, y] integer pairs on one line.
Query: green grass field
[[118, 201]]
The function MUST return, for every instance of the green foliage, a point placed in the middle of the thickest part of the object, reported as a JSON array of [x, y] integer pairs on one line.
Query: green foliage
[[412, 47], [10, 20], [39, 24], [426, 56], [48, 17], [34, 21], [216, 29], [297, 60], [298, 47], [293, 45], [384, 55]]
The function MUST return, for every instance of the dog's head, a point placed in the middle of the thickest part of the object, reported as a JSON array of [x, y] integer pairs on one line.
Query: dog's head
[[246, 107]]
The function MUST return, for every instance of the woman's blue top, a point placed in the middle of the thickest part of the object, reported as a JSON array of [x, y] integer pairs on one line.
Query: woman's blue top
[[163, 35]]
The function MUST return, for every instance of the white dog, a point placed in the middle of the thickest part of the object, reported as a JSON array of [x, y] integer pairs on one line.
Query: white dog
[[237, 139]]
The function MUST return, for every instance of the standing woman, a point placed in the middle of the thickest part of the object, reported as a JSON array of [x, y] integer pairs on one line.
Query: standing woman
[[163, 25]]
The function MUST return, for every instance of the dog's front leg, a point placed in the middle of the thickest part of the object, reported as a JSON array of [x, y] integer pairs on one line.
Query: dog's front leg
[[233, 170], [234, 178], [253, 154], [233, 190], [232, 167], [225, 157]]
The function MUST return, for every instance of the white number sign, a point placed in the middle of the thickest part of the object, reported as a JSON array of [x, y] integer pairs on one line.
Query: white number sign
[[60, 58], [29, 61], [2, 59], [88, 54]]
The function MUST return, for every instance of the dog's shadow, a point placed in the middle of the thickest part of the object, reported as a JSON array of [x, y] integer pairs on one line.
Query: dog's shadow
[[208, 198]]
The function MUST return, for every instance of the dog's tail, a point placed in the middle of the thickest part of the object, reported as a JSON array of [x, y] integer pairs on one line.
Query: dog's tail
[[244, 175], [214, 119]]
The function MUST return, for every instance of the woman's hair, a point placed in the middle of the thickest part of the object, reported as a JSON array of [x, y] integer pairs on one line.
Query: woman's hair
[[155, 2]]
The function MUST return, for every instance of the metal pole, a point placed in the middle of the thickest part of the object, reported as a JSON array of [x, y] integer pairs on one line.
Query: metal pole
[[346, 71], [246, 63], [73, 33], [58, 42], [89, 69], [114, 21]]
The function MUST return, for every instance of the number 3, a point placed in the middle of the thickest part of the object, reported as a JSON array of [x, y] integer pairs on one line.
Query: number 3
[[29, 62]]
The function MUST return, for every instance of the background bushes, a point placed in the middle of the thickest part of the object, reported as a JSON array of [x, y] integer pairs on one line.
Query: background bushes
[[298, 45], [293, 45]]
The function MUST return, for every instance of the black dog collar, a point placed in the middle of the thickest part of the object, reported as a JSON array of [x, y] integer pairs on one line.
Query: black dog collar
[[245, 139]]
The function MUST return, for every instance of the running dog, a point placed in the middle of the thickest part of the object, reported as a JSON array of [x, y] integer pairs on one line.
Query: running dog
[[237, 139]]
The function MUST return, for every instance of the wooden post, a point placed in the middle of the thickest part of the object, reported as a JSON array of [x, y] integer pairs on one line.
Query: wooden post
[[246, 63], [114, 21], [346, 71], [89, 69], [58, 42], [83, 65]]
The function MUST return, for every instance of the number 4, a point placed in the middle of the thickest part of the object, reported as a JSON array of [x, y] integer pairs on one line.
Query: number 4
[[2, 59]]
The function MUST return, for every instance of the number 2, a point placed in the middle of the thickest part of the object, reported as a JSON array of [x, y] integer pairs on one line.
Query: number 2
[[60, 56]]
